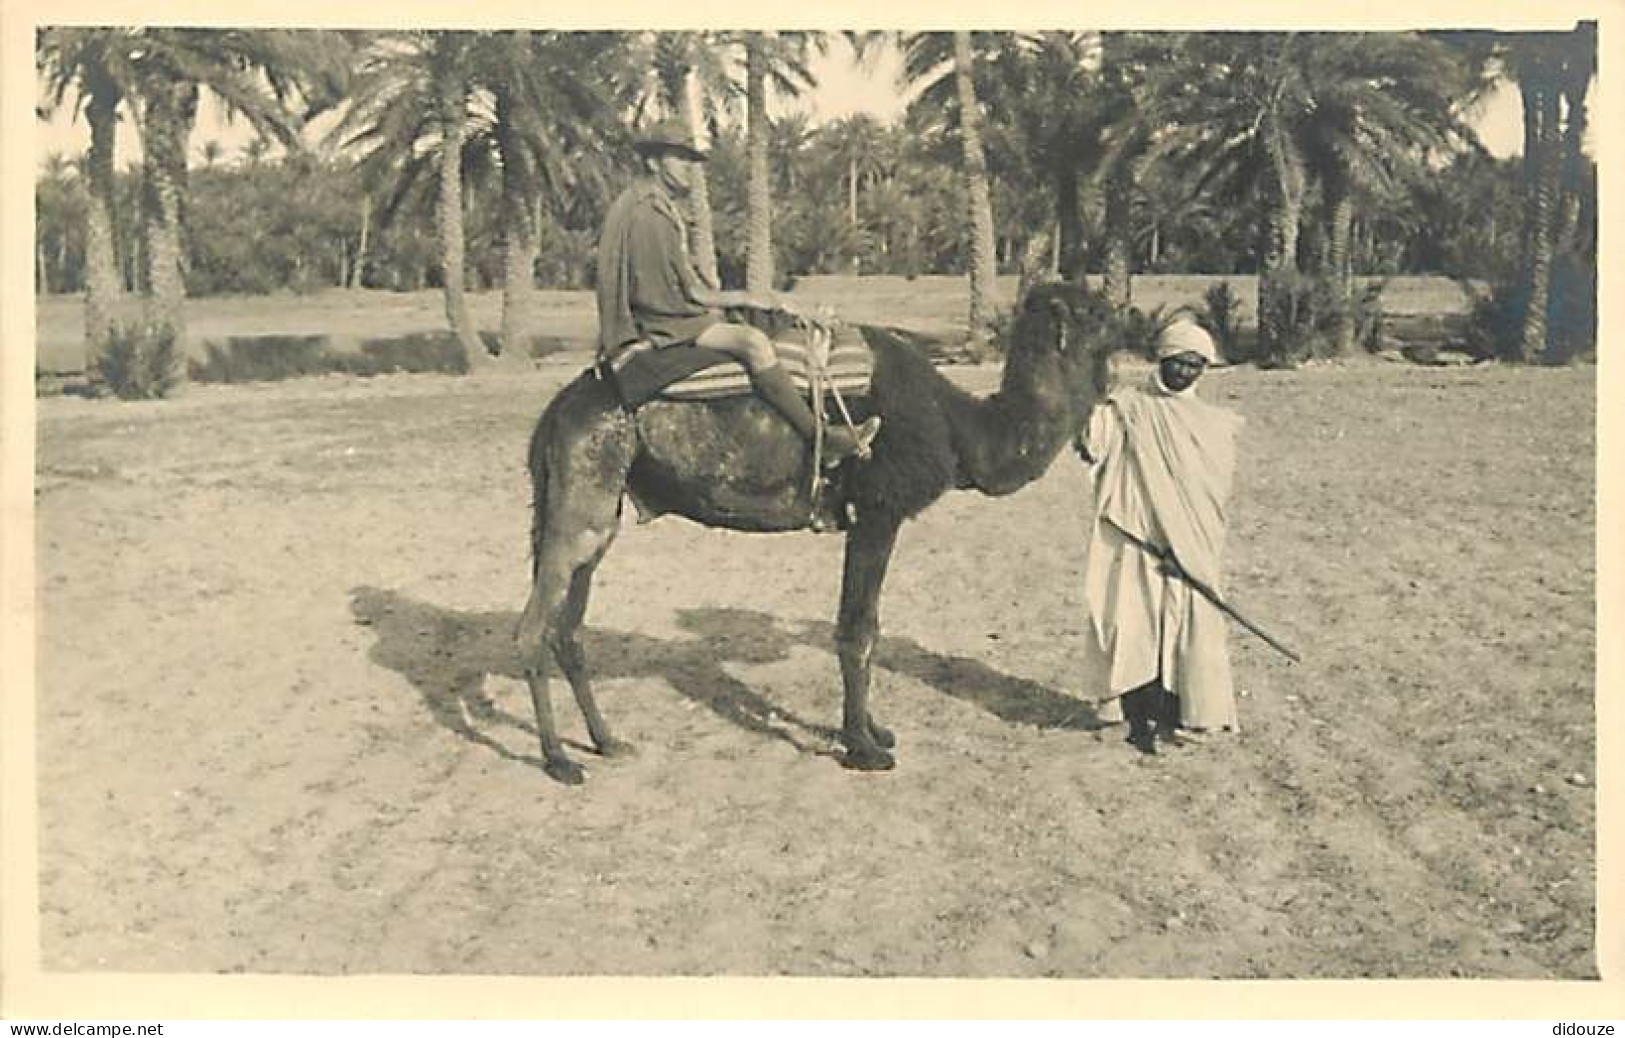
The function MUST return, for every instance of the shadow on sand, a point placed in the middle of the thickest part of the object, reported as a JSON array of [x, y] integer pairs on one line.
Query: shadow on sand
[[446, 654]]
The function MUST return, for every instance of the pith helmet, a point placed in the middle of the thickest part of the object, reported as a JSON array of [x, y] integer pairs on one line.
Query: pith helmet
[[667, 136]]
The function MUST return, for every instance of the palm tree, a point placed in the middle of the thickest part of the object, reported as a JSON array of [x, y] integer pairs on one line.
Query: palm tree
[[358, 269], [450, 86], [1287, 113], [1047, 84], [1384, 104], [59, 198], [550, 123], [856, 140], [1543, 67], [1553, 72], [1165, 215], [92, 66], [774, 62], [256, 74], [1129, 61], [694, 83], [979, 203], [1577, 218], [894, 211], [789, 140], [942, 66], [509, 61], [409, 116], [759, 207]]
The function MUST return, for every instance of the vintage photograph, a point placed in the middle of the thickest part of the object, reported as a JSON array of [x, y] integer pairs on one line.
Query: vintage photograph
[[1064, 503]]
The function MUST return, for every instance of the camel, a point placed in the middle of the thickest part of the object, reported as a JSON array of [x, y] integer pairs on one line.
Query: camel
[[735, 464]]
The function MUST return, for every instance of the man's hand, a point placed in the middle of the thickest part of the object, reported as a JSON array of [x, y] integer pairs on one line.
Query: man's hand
[[783, 304], [739, 299], [743, 299]]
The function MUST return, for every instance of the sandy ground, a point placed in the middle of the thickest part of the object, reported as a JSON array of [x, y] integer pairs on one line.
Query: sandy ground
[[281, 728]]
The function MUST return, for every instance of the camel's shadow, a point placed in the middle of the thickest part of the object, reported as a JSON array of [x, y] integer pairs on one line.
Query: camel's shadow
[[446, 654]]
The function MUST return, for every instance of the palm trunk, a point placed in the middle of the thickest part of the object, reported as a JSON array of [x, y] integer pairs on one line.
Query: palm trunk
[[171, 109], [704, 238], [453, 125], [103, 280], [1544, 170], [518, 292], [978, 197], [759, 211], [1279, 324], [1116, 274], [130, 240], [1341, 218], [1116, 278], [1529, 97], [358, 271], [519, 262], [852, 211], [852, 191], [1069, 223], [1574, 218]]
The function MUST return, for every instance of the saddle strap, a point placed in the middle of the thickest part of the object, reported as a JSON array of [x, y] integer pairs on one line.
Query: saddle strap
[[818, 340]]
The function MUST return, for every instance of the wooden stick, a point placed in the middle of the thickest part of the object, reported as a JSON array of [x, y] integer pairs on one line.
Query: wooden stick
[[1207, 593]]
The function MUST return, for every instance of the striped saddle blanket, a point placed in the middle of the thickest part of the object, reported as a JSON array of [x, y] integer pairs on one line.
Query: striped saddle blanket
[[836, 356]]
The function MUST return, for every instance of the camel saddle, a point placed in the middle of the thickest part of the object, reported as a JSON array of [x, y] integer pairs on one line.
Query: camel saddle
[[821, 359]]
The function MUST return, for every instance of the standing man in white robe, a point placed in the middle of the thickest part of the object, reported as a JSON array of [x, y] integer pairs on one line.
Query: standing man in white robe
[[1162, 461]]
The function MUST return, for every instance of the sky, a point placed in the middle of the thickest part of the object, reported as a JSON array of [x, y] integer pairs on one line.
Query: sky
[[844, 88]]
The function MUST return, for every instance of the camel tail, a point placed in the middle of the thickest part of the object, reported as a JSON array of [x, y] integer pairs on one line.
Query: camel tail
[[537, 465]]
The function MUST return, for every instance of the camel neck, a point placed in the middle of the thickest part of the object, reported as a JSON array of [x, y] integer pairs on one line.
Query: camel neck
[[1020, 427]]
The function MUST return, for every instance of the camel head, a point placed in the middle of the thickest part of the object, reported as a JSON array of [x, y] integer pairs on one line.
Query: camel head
[[1058, 346]]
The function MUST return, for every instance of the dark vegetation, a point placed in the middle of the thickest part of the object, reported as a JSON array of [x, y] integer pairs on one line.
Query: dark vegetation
[[1310, 160]]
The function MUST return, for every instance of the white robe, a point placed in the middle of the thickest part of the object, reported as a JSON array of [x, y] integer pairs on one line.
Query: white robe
[[1163, 468]]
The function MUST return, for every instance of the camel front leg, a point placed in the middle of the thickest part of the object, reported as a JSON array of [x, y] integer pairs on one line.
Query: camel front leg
[[857, 630]]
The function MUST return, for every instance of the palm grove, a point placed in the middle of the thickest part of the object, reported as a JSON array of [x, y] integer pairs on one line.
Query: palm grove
[[474, 161]]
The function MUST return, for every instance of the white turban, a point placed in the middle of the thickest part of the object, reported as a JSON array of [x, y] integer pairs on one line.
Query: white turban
[[1186, 336]]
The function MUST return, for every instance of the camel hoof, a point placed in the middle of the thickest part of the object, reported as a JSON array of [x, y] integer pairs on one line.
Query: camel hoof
[[562, 769], [882, 735], [1145, 742], [868, 758], [612, 749]]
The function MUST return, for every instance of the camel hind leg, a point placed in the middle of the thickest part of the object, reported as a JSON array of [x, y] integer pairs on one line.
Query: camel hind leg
[[552, 618], [580, 454]]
